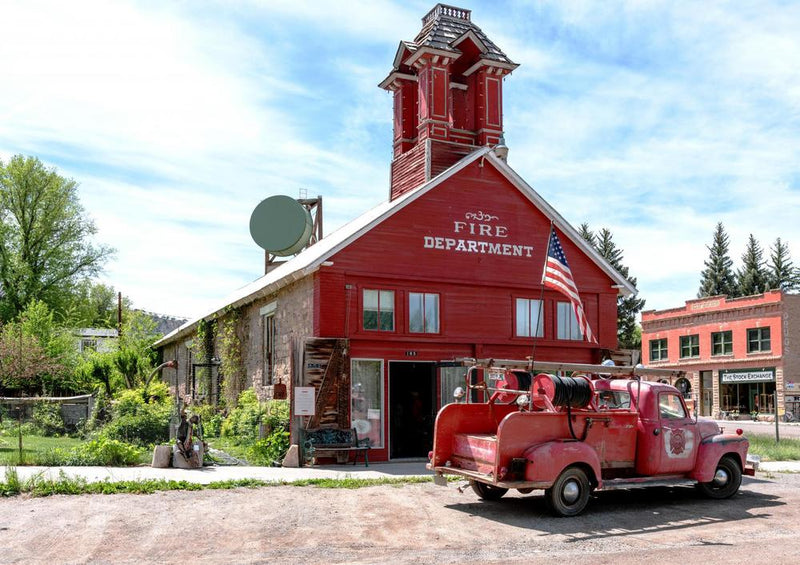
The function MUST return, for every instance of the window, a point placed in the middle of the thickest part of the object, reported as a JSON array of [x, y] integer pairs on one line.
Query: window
[[670, 406], [658, 349], [88, 344], [690, 346], [379, 310], [423, 313], [722, 343], [450, 379], [529, 318], [758, 339], [568, 327], [366, 399], [268, 342]]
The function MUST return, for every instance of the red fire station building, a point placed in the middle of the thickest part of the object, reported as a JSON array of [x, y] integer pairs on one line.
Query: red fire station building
[[736, 352], [450, 266]]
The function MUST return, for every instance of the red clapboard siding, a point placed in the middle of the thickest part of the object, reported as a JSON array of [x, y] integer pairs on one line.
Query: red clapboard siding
[[477, 290]]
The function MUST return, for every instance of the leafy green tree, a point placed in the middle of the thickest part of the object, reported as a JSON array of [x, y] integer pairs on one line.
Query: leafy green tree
[[93, 305], [782, 274], [752, 277], [45, 247], [627, 306], [718, 276], [37, 320]]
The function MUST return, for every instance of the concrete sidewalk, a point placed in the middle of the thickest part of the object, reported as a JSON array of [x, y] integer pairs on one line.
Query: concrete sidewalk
[[270, 474], [225, 473]]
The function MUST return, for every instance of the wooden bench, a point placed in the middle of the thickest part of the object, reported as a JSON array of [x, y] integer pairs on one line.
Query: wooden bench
[[339, 442]]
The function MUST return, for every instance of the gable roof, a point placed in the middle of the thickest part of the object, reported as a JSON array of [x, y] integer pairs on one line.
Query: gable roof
[[312, 258]]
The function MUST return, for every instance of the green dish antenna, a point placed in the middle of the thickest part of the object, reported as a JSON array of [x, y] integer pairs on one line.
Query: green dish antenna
[[281, 225]]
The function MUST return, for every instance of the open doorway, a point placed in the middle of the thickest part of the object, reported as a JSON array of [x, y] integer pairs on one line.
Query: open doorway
[[412, 408]]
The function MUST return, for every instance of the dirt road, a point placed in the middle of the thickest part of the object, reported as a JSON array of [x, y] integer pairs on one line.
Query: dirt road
[[404, 524]]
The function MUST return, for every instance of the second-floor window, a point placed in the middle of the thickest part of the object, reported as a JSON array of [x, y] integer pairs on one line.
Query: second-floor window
[[529, 318], [568, 327], [423, 312], [658, 349], [379, 310], [758, 339], [722, 343], [690, 346]]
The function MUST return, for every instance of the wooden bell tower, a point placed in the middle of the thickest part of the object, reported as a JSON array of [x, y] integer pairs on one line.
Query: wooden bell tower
[[448, 96]]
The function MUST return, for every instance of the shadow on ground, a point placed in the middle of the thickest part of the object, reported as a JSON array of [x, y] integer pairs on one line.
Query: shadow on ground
[[624, 512]]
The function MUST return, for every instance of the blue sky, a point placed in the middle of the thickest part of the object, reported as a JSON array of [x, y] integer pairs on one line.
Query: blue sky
[[654, 119]]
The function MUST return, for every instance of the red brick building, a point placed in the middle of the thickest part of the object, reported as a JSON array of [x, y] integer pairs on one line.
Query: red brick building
[[450, 266], [736, 352]]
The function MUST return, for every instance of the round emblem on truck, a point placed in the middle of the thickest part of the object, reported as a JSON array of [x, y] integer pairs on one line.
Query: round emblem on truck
[[677, 442]]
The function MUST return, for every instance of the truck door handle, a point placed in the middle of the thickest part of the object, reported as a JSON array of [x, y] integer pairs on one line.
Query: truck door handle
[[657, 431]]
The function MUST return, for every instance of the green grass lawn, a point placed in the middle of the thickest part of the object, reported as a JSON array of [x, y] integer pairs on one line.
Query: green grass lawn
[[766, 447], [34, 448]]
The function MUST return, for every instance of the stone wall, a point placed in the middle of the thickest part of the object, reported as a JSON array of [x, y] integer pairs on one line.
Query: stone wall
[[294, 319]]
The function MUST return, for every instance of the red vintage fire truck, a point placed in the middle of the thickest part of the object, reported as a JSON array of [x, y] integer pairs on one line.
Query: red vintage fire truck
[[600, 428]]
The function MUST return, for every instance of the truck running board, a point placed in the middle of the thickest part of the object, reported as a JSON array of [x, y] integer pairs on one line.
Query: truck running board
[[675, 481]]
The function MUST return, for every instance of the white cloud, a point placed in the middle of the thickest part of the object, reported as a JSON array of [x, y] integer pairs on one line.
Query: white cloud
[[178, 119]]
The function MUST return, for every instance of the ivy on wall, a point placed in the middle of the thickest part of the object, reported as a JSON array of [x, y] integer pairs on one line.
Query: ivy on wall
[[231, 366]]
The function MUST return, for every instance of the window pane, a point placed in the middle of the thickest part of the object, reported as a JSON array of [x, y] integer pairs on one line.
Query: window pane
[[523, 318], [370, 300], [432, 313], [670, 407], [415, 312], [536, 318], [387, 310], [370, 309], [366, 400], [567, 322], [451, 378]]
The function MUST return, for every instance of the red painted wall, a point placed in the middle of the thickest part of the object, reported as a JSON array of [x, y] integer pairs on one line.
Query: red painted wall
[[716, 314], [477, 290]]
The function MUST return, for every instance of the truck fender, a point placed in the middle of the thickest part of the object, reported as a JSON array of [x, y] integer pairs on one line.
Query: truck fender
[[712, 449], [547, 460]]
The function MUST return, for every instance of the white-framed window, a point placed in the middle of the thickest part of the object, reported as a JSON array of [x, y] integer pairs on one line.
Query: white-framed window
[[378, 308], [366, 399], [529, 318], [567, 327], [423, 312], [268, 342]]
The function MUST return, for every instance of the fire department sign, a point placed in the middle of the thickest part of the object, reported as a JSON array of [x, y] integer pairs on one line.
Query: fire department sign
[[733, 376]]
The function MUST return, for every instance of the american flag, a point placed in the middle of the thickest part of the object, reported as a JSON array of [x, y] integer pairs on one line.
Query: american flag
[[557, 276]]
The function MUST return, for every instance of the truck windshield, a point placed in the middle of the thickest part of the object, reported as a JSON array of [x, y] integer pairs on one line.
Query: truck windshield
[[670, 406]]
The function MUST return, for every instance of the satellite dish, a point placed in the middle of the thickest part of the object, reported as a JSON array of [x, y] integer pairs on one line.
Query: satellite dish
[[281, 225]]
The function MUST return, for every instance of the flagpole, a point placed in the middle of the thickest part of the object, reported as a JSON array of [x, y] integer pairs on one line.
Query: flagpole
[[540, 315]]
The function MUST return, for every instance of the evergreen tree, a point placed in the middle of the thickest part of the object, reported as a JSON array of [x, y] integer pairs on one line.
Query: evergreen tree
[[753, 277], [627, 306], [718, 277], [587, 234], [782, 275]]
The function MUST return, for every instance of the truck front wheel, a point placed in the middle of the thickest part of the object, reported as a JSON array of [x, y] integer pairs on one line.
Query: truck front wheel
[[487, 492], [727, 479], [569, 495]]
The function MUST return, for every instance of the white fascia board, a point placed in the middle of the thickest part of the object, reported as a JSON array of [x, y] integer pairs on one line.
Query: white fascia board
[[394, 76], [452, 55], [489, 63], [625, 288]]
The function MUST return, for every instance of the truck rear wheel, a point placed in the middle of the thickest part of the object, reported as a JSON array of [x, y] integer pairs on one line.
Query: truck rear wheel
[[727, 479], [487, 492], [569, 495]]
